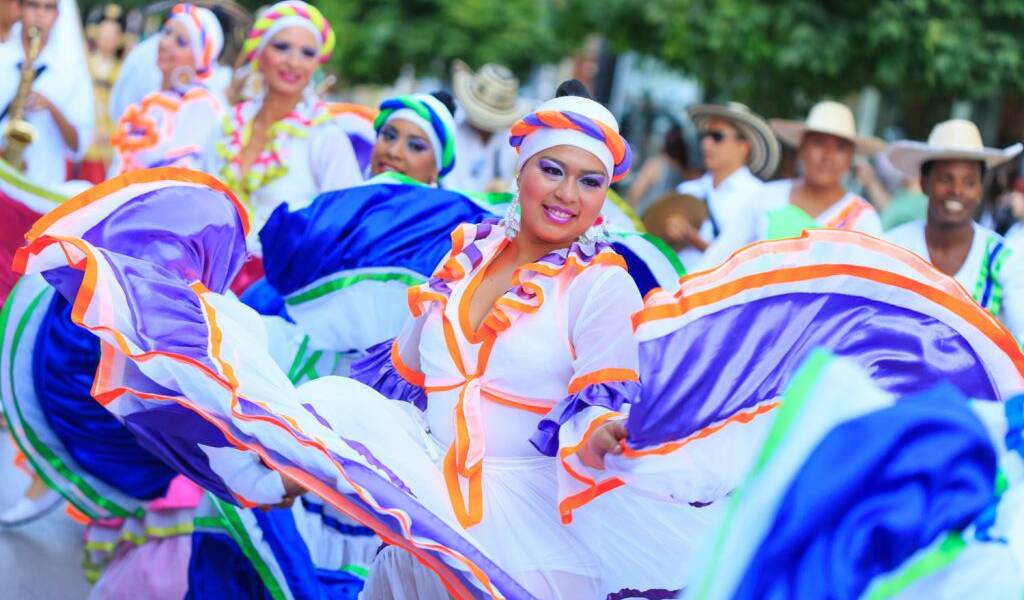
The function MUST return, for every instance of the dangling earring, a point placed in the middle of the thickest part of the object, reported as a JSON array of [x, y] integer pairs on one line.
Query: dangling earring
[[252, 85], [183, 76], [511, 218], [594, 234]]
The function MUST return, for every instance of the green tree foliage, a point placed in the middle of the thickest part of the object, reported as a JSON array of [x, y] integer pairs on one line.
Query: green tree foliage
[[784, 55], [376, 39], [777, 55]]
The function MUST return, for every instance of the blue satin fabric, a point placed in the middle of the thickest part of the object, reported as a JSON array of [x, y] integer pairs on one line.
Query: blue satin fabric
[[735, 358], [264, 299], [333, 523], [876, 490], [63, 365], [638, 269], [378, 225], [157, 244], [218, 569]]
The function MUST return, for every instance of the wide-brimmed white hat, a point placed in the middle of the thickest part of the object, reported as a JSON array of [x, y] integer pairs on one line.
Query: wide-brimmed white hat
[[489, 96], [764, 146], [832, 118], [956, 139]]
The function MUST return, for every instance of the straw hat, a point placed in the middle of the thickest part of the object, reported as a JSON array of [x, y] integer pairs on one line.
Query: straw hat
[[956, 139], [489, 96], [674, 205], [828, 117], [764, 147]]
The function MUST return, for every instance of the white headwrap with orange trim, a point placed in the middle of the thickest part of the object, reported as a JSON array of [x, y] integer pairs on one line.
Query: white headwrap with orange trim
[[205, 35], [573, 121]]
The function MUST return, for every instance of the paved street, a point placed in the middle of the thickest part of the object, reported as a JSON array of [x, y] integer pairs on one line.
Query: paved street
[[42, 560]]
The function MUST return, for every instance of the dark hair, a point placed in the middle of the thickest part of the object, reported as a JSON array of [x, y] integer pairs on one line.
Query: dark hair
[[674, 147], [927, 166], [445, 98], [573, 87]]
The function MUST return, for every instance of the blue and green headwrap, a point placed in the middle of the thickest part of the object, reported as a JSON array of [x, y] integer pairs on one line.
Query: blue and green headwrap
[[430, 115]]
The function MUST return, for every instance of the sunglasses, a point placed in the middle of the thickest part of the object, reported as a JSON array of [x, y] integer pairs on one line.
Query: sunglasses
[[718, 136]]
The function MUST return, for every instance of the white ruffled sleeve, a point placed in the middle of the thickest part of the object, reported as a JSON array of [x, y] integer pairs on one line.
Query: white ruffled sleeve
[[605, 380], [196, 127], [332, 158]]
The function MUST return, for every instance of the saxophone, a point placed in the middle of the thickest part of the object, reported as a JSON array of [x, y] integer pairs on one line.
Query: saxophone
[[19, 133]]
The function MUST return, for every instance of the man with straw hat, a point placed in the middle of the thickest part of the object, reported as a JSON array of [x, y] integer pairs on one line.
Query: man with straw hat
[[825, 145], [739, 150], [490, 103], [952, 166]]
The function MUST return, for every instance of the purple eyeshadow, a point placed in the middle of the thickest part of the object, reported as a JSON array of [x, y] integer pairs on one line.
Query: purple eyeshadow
[[549, 164]]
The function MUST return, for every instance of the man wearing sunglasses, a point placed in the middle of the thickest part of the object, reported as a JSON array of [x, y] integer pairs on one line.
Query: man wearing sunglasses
[[738, 148], [60, 105]]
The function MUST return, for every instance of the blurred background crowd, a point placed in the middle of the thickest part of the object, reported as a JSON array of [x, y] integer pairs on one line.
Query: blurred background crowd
[[900, 66]]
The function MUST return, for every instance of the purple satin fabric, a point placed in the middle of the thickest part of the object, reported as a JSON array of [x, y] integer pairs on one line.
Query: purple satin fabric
[[156, 245], [192, 232], [172, 433], [735, 358], [377, 371]]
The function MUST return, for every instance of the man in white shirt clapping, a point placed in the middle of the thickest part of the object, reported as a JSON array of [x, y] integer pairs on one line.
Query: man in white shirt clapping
[[739, 149]]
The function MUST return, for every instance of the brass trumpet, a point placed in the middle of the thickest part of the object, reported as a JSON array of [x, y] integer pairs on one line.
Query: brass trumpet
[[19, 133]]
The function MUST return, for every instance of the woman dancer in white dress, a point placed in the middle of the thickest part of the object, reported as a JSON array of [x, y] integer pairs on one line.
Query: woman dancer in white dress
[[285, 145], [171, 126]]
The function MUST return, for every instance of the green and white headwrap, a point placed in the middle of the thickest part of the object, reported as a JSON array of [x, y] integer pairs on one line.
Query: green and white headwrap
[[429, 114]]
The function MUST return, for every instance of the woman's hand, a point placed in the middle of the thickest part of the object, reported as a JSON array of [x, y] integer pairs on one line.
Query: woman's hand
[[606, 440], [292, 490]]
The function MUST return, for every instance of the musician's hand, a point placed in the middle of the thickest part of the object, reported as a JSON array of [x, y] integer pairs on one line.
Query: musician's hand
[[36, 102], [605, 440], [681, 233]]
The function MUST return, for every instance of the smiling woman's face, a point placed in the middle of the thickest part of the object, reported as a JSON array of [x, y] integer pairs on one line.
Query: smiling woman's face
[[175, 49], [561, 192], [289, 61], [404, 148]]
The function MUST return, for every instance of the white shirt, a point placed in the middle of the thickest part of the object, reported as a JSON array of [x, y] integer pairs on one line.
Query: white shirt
[[70, 91], [1015, 236], [477, 163], [137, 78], [308, 153], [729, 206], [576, 329], [992, 273], [849, 212], [180, 124]]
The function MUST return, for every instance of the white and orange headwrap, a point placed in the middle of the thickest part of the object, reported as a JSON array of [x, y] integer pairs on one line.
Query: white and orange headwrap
[[573, 121], [204, 33], [289, 13]]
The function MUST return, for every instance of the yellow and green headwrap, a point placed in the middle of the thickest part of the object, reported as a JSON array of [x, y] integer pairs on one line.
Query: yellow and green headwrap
[[286, 14]]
